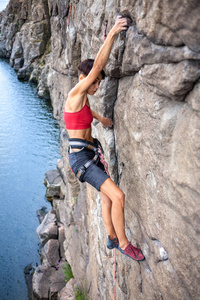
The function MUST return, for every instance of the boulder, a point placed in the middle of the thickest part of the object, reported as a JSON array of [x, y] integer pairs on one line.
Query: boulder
[[24, 72], [28, 274], [47, 282], [57, 281], [41, 213], [51, 252], [18, 63], [41, 282], [59, 207], [53, 182], [48, 230], [67, 293]]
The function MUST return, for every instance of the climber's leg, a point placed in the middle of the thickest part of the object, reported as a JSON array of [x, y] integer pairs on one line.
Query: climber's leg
[[106, 213], [113, 192]]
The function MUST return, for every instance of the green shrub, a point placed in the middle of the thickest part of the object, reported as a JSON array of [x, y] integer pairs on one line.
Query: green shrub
[[81, 293], [67, 271]]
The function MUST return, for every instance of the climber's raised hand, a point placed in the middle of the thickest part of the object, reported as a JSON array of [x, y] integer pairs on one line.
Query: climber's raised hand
[[121, 23]]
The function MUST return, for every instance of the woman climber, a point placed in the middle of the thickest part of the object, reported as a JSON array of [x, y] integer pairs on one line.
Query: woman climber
[[85, 152]]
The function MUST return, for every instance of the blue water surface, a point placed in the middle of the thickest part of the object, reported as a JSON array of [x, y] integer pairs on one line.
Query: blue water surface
[[29, 146]]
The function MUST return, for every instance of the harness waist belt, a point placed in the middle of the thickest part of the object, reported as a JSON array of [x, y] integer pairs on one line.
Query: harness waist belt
[[79, 143]]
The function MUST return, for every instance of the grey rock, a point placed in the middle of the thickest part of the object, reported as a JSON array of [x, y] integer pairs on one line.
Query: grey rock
[[61, 169], [141, 51], [13, 18], [43, 89], [17, 50], [3, 52], [183, 76], [53, 182], [24, 72], [193, 98], [39, 11], [163, 165], [51, 252], [59, 207], [18, 63], [28, 279], [41, 213], [169, 24], [57, 281], [52, 178], [159, 251], [67, 293], [41, 282], [48, 228], [61, 239], [47, 282]]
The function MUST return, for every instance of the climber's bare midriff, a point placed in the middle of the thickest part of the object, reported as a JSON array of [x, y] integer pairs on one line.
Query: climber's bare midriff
[[84, 134]]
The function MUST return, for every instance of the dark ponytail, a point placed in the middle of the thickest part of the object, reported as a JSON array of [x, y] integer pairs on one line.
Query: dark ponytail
[[86, 66]]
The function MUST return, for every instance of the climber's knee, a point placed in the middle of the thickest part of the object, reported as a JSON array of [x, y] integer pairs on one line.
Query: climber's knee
[[110, 189], [105, 199], [106, 202], [119, 198]]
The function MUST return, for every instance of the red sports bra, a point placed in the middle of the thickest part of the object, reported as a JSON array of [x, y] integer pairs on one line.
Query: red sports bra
[[81, 119]]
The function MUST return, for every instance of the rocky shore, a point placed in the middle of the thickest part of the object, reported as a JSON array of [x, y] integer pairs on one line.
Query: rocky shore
[[152, 93], [48, 279]]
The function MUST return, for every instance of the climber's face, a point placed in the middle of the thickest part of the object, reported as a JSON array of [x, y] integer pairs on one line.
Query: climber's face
[[95, 85]]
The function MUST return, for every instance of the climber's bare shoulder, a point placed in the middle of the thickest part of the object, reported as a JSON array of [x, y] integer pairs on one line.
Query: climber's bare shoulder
[[75, 102]]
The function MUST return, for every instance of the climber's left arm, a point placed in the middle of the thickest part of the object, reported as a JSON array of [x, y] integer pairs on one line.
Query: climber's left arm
[[104, 121]]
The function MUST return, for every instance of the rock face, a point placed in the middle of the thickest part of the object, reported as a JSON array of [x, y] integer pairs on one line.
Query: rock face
[[152, 93], [25, 34]]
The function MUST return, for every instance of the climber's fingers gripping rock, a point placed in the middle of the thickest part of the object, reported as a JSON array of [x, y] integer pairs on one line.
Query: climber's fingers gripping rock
[[108, 123], [121, 23]]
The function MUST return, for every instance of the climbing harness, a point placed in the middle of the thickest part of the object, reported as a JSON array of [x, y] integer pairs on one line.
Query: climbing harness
[[105, 35], [99, 155], [69, 15], [102, 160]]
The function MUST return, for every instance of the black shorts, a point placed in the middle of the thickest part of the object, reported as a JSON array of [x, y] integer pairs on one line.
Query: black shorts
[[95, 174]]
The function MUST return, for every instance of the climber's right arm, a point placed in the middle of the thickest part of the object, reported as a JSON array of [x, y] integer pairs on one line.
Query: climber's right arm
[[101, 58]]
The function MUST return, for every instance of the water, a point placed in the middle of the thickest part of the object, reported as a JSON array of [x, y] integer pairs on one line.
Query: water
[[29, 146]]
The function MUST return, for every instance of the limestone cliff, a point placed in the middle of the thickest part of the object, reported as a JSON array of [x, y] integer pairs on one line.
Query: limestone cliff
[[152, 93]]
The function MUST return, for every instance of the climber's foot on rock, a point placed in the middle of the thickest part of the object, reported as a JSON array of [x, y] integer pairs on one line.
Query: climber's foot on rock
[[133, 252], [112, 243]]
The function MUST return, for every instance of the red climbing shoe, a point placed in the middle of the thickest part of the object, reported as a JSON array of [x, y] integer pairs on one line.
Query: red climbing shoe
[[133, 252]]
